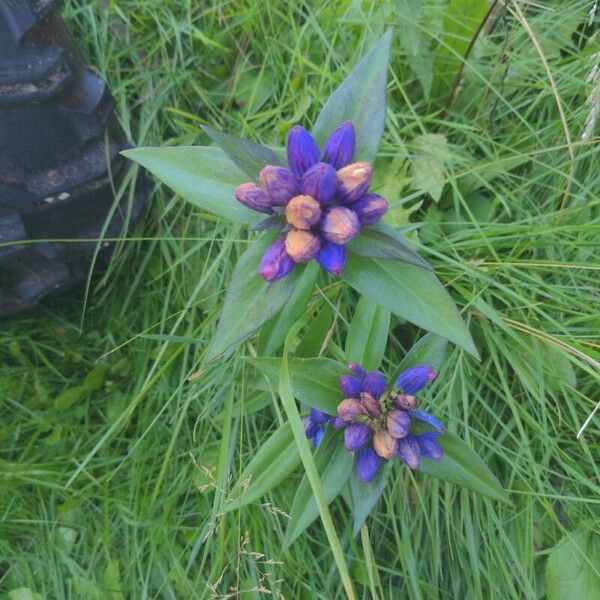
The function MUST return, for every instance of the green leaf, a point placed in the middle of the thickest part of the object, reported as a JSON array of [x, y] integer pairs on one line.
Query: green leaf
[[366, 495], [428, 164], [429, 350], [315, 381], [201, 175], [248, 156], [274, 332], [69, 397], [360, 99], [367, 334], [573, 567], [410, 292], [277, 458], [462, 465], [461, 21], [334, 464], [381, 241], [315, 336], [250, 301]]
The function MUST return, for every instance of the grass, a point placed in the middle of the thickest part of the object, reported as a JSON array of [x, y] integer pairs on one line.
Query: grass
[[114, 492]]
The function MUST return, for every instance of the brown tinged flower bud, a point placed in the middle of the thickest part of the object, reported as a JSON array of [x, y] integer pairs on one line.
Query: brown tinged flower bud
[[349, 409], [398, 423], [253, 197], [354, 181], [370, 406], [370, 208], [406, 402], [385, 445], [302, 212], [301, 245], [340, 225], [280, 184]]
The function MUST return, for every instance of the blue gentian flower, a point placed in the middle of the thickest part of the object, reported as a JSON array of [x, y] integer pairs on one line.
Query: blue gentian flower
[[321, 196], [380, 423]]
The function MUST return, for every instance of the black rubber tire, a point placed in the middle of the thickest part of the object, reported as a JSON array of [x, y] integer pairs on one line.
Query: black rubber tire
[[59, 159]]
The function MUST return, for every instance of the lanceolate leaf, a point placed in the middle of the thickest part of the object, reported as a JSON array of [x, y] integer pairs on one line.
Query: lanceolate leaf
[[573, 567], [334, 464], [429, 350], [274, 332], [360, 99], [462, 465], [367, 334], [277, 458], [380, 241], [410, 292], [250, 301], [315, 381], [250, 157], [366, 495], [201, 175]]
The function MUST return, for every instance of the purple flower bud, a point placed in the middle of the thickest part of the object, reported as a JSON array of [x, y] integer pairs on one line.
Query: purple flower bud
[[409, 452], [340, 146], [375, 383], [338, 422], [332, 257], [425, 417], [302, 245], [309, 427], [398, 423], [416, 378], [367, 464], [354, 181], [385, 445], [429, 445], [303, 212], [369, 405], [280, 184], [320, 182], [318, 416], [370, 208], [356, 435], [255, 198], [357, 370], [276, 262], [339, 225], [351, 386], [349, 409], [405, 402], [302, 150], [319, 433]]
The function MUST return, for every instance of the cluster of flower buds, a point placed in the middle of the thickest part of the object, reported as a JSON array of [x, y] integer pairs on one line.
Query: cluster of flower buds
[[381, 424], [322, 197]]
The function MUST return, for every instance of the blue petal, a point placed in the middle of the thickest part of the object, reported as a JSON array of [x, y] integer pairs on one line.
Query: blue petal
[[351, 386], [356, 435], [332, 257], [367, 464], [275, 262], [320, 182], [357, 370], [416, 378], [409, 452], [340, 146], [318, 436], [318, 416], [429, 445], [310, 427], [375, 383], [302, 150], [425, 417]]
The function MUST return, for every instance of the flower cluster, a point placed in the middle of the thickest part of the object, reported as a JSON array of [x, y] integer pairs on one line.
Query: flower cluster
[[381, 424], [322, 197]]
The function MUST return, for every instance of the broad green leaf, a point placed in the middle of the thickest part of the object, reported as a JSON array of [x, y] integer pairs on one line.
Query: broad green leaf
[[250, 301], [429, 350], [201, 175], [315, 381], [274, 332], [277, 458], [410, 292], [248, 156], [461, 21], [367, 334], [366, 495], [315, 335], [462, 465], [381, 241], [334, 464], [361, 99], [428, 161], [573, 567]]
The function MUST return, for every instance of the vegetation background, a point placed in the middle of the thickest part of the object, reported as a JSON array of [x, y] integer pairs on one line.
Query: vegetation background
[[117, 444]]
